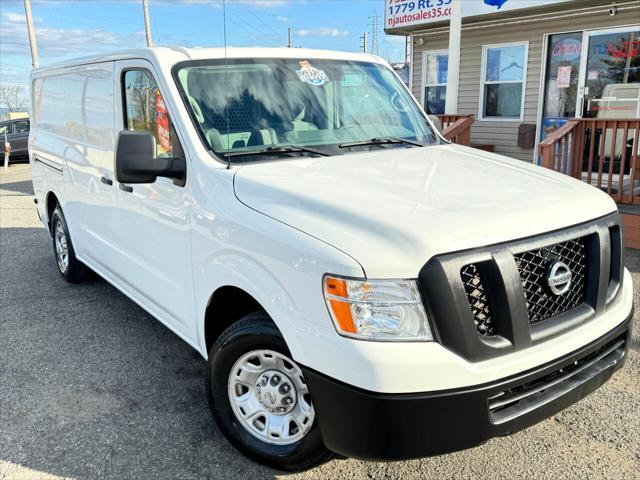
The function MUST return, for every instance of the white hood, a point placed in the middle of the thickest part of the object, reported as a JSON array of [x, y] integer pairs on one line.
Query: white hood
[[393, 209]]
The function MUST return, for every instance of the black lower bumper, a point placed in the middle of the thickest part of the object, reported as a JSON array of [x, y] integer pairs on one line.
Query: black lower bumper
[[377, 426]]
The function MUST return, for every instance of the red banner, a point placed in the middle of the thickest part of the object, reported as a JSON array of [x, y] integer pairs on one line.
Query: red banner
[[162, 124]]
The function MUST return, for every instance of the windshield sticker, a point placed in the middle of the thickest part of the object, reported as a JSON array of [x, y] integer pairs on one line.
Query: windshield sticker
[[311, 75]]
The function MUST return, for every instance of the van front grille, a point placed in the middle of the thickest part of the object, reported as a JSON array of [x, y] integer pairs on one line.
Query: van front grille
[[494, 300], [478, 299], [533, 267]]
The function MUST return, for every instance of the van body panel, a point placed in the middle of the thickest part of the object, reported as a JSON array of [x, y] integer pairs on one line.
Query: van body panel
[[89, 199], [279, 266]]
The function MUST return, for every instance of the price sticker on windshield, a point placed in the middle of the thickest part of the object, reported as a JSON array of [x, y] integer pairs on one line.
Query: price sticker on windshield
[[311, 75]]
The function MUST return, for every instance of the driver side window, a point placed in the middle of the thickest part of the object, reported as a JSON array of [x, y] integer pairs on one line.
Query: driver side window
[[145, 110]]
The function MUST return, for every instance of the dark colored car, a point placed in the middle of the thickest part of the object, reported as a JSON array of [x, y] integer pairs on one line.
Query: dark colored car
[[16, 132]]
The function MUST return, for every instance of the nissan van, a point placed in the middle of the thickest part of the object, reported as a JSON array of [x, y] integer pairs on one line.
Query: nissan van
[[356, 284]]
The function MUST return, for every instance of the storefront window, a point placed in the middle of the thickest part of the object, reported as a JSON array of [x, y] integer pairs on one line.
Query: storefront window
[[435, 81], [561, 80], [504, 68], [613, 66]]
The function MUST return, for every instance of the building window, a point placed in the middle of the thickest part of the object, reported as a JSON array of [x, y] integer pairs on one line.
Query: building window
[[434, 81], [504, 69]]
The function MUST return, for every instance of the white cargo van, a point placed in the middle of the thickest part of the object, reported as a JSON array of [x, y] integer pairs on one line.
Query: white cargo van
[[357, 284]]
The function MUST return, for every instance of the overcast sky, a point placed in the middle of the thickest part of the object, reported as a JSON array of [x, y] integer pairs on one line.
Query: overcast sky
[[67, 29]]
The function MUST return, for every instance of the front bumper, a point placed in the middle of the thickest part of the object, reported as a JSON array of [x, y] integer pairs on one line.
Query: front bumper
[[376, 426]]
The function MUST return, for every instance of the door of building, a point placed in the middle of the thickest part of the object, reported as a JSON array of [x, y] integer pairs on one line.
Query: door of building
[[610, 74], [591, 74]]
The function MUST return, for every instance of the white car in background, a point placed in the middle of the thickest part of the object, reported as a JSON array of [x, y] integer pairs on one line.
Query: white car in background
[[357, 284]]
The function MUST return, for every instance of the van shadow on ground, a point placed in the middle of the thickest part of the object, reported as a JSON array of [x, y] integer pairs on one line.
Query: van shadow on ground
[[94, 387]]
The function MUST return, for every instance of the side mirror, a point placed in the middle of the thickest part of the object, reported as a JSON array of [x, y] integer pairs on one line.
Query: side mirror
[[436, 122], [136, 160]]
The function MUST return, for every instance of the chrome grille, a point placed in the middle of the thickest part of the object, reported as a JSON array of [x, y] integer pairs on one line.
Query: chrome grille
[[533, 267], [478, 299]]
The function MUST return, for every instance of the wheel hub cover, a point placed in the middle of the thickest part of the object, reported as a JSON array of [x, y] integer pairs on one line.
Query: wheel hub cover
[[276, 392]]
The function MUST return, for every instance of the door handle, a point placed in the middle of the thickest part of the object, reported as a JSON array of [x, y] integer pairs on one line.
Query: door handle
[[125, 188], [106, 181]]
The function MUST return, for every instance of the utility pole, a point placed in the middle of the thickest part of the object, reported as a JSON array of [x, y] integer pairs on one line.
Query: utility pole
[[32, 34], [147, 25], [363, 45], [289, 43]]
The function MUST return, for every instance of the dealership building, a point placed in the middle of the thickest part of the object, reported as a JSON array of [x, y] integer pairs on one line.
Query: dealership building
[[526, 67]]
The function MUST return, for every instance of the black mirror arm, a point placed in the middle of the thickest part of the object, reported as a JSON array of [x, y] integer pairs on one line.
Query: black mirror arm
[[174, 168]]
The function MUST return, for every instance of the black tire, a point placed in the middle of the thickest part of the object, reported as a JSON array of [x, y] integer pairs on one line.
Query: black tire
[[255, 331], [73, 271]]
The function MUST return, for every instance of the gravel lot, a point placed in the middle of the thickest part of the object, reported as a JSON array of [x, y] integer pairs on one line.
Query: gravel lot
[[92, 387]]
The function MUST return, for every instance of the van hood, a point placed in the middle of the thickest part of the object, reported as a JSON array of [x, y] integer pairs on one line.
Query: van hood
[[393, 209]]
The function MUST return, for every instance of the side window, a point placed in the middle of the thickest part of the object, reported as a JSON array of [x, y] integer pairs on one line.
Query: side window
[[21, 126], [145, 110], [503, 71]]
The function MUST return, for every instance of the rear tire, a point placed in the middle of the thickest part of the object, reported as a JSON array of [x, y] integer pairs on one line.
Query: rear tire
[[255, 347], [71, 269]]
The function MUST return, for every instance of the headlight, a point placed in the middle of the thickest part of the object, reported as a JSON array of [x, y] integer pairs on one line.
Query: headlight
[[383, 310]]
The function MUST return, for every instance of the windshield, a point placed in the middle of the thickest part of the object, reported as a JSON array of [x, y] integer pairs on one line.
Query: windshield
[[333, 106]]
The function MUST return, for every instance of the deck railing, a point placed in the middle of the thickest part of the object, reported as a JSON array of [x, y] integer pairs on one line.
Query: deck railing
[[457, 128], [602, 152]]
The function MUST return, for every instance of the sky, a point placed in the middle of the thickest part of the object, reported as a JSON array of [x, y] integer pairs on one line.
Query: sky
[[73, 28]]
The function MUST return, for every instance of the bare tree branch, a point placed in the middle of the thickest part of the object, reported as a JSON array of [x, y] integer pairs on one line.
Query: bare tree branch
[[13, 97]]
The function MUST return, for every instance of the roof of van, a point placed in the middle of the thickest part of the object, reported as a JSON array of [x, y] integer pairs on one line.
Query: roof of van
[[172, 55]]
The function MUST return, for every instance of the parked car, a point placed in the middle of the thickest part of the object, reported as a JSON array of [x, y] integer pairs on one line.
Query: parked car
[[357, 284], [16, 132]]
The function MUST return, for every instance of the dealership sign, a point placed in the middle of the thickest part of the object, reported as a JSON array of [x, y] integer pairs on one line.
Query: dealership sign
[[409, 13]]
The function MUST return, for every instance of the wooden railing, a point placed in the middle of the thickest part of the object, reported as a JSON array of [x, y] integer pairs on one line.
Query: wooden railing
[[457, 128], [447, 120], [603, 153]]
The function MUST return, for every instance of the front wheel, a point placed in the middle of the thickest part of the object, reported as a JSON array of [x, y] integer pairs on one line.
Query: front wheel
[[260, 398]]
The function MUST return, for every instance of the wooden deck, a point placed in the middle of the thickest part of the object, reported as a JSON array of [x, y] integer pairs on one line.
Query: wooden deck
[[604, 153]]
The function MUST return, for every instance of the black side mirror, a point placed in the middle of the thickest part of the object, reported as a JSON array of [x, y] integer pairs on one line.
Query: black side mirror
[[136, 161]]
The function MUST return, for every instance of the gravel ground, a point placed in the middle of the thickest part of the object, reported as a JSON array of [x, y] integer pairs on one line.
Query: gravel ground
[[92, 387]]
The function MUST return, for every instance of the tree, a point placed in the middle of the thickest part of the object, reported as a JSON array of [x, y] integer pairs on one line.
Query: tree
[[13, 97]]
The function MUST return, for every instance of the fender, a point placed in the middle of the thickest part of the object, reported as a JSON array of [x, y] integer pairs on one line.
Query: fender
[[230, 268]]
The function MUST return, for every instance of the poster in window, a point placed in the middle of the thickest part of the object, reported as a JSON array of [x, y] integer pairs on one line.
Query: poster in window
[[162, 125], [564, 77]]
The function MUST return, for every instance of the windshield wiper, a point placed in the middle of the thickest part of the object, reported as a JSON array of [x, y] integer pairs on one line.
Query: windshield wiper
[[276, 150], [381, 141]]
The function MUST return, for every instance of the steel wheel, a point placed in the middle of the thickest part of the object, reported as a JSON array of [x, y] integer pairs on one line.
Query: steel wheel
[[270, 398], [62, 248]]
